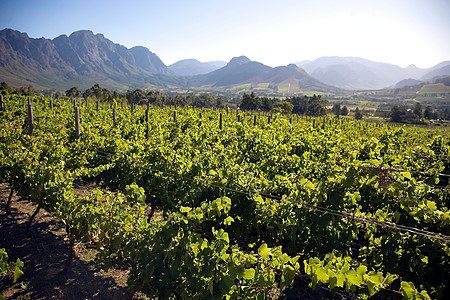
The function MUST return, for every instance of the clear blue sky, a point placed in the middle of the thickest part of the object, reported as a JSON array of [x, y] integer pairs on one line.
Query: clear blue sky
[[275, 32]]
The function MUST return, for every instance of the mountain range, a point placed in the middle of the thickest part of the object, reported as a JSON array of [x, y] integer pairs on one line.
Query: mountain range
[[356, 73], [188, 67], [84, 58]]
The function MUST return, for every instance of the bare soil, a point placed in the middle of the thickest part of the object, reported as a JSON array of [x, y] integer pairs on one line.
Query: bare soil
[[44, 254]]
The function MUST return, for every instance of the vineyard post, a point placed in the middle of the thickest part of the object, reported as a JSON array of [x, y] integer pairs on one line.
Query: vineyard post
[[147, 111], [239, 118], [268, 119], [74, 102], [174, 115], [254, 120], [1, 102], [220, 121], [98, 105], [200, 116], [86, 101], [30, 117], [51, 104], [132, 107], [314, 123], [77, 122], [323, 123], [114, 115], [290, 120]]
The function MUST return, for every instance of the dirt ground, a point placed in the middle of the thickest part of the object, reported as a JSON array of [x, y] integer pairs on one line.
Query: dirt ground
[[44, 254]]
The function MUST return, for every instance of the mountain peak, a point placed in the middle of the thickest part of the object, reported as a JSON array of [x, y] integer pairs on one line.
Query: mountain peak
[[81, 33], [239, 60]]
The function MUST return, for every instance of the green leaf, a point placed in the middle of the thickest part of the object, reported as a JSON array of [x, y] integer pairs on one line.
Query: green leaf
[[408, 289], [333, 279], [249, 274], [361, 270], [406, 175], [353, 279], [212, 173], [431, 205], [289, 274], [263, 250], [17, 273], [228, 220], [322, 275], [185, 209]]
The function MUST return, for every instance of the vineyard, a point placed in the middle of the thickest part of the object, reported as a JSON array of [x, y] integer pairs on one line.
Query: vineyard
[[212, 204]]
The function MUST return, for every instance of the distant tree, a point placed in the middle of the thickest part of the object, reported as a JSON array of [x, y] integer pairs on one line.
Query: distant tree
[[397, 114], [284, 107], [344, 111], [249, 102], [73, 92], [336, 110], [311, 106], [418, 110], [138, 96], [98, 92], [358, 114], [5, 88], [316, 106], [428, 113]]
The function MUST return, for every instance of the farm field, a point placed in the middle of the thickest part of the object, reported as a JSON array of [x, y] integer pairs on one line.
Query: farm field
[[203, 204]]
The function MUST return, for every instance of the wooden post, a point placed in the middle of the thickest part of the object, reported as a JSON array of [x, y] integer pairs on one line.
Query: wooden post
[[314, 123], [51, 104], [254, 120], [290, 120], [147, 131], [220, 121], [30, 117], [174, 115], [98, 105], [86, 101], [268, 119], [201, 122], [239, 118], [114, 115], [1, 102], [77, 122]]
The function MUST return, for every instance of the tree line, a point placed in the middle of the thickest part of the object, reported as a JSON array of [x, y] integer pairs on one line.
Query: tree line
[[417, 115], [303, 105]]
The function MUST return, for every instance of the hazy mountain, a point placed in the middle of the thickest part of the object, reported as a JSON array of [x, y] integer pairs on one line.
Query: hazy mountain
[[241, 70], [354, 73], [238, 70], [79, 59], [440, 70], [188, 67], [407, 82], [358, 73]]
